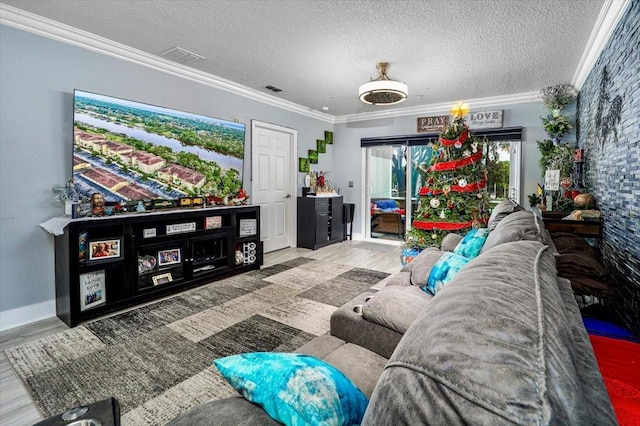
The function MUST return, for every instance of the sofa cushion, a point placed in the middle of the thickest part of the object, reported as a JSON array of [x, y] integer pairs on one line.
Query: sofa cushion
[[402, 278], [362, 366], [502, 210], [295, 388], [422, 265], [234, 411], [395, 307], [521, 225], [472, 243], [490, 348], [443, 271], [450, 241]]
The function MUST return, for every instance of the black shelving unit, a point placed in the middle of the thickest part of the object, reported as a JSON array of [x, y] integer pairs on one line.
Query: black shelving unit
[[319, 221], [150, 255]]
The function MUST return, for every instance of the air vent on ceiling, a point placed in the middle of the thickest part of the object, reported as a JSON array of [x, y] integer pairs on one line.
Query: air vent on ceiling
[[273, 88], [180, 55]]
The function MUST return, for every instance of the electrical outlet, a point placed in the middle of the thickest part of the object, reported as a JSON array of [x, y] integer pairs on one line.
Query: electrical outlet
[[350, 184]]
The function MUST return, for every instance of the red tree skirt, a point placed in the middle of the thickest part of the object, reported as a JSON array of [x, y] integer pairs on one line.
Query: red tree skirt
[[456, 164], [441, 226]]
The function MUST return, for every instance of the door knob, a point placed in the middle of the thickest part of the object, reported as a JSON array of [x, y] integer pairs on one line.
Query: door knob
[[287, 196]]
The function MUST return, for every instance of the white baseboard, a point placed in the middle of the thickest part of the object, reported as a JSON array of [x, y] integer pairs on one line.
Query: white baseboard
[[27, 314]]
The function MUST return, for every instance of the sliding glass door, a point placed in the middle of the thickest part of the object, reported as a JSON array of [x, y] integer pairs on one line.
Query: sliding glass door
[[387, 190], [394, 181]]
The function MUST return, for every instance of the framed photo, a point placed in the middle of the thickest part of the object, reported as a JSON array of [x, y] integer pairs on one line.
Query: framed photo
[[303, 165], [177, 228], [80, 210], [82, 246], [321, 146], [92, 290], [328, 137], [169, 257], [105, 249], [313, 156], [213, 222], [162, 278], [248, 227]]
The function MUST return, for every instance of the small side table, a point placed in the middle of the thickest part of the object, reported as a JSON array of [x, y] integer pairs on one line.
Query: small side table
[[590, 228]]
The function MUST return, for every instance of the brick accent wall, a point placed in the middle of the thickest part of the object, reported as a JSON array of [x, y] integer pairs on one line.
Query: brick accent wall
[[608, 120]]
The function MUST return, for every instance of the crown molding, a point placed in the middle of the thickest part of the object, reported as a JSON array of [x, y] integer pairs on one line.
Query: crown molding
[[35, 24], [442, 107], [608, 18], [610, 14]]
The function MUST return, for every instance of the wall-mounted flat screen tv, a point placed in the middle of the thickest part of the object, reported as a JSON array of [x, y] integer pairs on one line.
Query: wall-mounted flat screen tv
[[131, 151]]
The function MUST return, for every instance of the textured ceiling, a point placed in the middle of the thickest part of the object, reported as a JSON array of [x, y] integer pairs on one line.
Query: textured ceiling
[[319, 52]]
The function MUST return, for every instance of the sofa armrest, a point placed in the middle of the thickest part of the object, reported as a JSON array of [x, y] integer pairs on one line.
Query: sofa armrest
[[395, 307], [350, 326]]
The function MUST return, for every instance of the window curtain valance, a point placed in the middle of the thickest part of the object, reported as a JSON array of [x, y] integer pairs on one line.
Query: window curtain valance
[[502, 134]]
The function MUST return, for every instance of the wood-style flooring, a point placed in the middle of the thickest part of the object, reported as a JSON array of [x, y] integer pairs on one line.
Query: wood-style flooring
[[17, 407]]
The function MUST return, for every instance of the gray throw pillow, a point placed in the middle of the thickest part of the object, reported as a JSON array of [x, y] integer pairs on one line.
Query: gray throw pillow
[[422, 265], [450, 241], [517, 226], [502, 210]]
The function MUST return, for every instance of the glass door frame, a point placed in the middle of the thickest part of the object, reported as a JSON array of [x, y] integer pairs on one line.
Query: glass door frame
[[515, 179]]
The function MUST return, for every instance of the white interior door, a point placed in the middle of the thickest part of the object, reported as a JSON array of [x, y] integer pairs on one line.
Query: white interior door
[[273, 187]]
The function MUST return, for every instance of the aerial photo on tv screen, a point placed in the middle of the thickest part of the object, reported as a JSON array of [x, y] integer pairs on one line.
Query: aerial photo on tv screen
[[131, 151]]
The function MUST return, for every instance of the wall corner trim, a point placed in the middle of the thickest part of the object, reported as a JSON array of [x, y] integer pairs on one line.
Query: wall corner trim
[[610, 14], [35, 24]]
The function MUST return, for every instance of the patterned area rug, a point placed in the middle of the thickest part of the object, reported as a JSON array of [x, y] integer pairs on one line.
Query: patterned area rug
[[157, 359]]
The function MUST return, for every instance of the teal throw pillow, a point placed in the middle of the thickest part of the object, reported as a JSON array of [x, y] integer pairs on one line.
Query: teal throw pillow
[[443, 271], [295, 389], [472, 243]]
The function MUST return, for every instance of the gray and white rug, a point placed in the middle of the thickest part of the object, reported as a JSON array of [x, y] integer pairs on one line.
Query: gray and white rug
[[157, 359]]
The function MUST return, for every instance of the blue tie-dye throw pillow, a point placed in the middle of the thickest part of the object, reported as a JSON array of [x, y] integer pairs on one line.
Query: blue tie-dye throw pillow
[[443, 271], [295, 389], [472, 243]]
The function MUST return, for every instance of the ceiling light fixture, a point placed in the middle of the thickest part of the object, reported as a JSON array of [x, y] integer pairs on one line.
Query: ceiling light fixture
[[383, 90]]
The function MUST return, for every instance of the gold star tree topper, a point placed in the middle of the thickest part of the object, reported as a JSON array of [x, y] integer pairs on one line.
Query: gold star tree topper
[[459, 110]]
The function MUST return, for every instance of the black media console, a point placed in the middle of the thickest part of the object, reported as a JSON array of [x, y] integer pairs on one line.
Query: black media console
[[111, 263]]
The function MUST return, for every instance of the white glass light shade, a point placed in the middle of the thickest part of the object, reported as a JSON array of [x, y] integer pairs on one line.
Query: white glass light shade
[[383, 92]]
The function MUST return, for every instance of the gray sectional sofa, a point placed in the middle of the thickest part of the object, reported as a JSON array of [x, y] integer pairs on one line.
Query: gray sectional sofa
[[502, 343]]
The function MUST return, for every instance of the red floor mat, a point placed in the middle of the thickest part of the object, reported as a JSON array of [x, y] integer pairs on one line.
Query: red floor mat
[[619, 362]]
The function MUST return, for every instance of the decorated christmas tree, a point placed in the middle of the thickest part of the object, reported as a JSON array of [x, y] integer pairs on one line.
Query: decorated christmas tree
[[454, 197]]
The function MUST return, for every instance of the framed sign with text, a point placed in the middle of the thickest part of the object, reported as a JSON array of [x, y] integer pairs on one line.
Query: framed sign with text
[[432, 124]]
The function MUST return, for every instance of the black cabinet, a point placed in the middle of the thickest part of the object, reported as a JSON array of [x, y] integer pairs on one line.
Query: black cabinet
[[107, 264], [319, 221]]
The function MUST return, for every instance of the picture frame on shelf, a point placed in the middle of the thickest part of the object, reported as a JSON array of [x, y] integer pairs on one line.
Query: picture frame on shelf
[[162, 278], [169, 257], [106, 249], [92, 289], [248, 227], [213, 222]]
